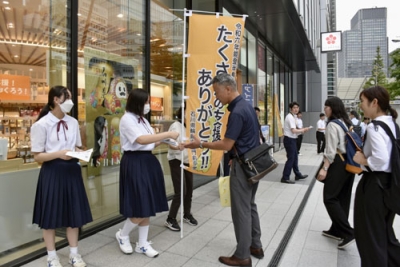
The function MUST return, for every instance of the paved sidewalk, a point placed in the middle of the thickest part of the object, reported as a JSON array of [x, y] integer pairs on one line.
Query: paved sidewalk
[[214, 236]]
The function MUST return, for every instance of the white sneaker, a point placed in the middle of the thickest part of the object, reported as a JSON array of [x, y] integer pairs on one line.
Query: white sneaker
[[53, 262], [76, 260], [124, 243], [146, 249]]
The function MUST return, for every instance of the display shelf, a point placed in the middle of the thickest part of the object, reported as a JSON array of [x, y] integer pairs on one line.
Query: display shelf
[[16, 129], [25, 118], [25, 102]]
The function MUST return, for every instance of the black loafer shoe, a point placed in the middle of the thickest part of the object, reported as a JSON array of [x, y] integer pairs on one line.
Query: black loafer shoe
[[287, 181], [257, 252], [301, 177]]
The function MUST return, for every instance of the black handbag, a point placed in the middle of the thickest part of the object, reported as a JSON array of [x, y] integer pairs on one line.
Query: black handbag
[[257, 162]]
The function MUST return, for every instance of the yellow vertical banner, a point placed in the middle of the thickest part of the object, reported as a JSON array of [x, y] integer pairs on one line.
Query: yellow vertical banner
[[278, 116], [213, 48]]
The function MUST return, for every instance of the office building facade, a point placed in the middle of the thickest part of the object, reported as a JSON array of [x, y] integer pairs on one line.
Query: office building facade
[[368, 31]]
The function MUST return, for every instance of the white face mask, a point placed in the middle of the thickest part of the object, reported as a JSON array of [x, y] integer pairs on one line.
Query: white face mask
[[146, 109], [67, 106]]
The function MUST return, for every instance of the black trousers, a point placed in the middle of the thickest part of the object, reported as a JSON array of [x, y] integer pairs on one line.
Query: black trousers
[[299, 141], [337, 196], [373, 223], [175, 166], [320, 142]]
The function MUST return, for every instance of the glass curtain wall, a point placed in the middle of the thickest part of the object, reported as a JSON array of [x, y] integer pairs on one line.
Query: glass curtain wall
[[110, 64], [270, 108], [166, 53], [261, 83], [34, 56]]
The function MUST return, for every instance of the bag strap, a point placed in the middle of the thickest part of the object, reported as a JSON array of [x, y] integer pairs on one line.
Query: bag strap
[[340, 124], [347, 133], [340, 154], [387, 129], [234, 146]]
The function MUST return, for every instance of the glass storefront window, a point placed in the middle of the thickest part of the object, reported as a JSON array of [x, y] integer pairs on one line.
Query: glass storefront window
[[36, 42], [261, 86], [34, 47], [270, 110], [110, 64]]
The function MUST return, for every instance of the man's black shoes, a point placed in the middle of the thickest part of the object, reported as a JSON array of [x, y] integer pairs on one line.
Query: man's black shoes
[[301, 177]]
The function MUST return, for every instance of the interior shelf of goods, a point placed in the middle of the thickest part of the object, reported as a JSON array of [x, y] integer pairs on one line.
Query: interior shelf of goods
[[16, 120]]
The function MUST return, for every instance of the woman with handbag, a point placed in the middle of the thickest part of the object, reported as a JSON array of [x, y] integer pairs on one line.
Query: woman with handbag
[[338, 181], [373, 219]]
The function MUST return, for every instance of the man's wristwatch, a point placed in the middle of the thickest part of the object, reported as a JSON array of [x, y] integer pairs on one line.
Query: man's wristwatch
[[201, 145], [325, 168]]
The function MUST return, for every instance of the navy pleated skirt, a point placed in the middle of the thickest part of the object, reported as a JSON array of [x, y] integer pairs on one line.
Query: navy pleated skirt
[[61, 199], [141, 185]]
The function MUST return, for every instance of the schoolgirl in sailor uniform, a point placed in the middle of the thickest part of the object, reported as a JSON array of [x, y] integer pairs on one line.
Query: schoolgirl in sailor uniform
[[142, 189], [61, 199], [373, 220]]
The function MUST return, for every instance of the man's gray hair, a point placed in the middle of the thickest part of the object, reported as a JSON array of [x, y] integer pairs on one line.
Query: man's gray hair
[[225, 79]]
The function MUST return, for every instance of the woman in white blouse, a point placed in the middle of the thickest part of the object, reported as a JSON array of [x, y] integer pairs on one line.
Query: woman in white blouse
[[373, 220], [141, 185], [61, 199], [338, 182]]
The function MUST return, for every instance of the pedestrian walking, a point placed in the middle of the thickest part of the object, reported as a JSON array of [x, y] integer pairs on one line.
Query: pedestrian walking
[[373, 220], [338, 182], [321, 125], [291, 131], [300, 135]]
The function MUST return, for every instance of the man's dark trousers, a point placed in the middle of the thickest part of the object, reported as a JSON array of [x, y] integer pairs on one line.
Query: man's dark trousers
[[320, 142], [292, 162], [299, 141]]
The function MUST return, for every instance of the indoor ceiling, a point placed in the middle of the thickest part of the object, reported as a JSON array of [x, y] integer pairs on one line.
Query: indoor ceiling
[[27, 32]]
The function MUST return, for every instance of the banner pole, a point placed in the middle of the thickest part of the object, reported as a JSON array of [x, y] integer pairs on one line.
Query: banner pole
[[183, 112]]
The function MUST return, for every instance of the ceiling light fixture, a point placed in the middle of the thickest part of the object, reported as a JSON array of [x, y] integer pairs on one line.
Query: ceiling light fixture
[[7, 8], [5, 2], [120, 15], [45, 45]]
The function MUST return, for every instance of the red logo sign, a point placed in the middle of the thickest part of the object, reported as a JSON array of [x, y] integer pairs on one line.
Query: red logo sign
[[330, 39]]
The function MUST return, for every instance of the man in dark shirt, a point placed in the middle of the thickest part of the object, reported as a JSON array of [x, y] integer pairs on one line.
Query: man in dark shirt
[[243, 133]]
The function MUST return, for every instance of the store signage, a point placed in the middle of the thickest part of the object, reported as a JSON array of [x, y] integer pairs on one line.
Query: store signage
[[248, 92], [205, 115], [15, 87], [331, 41], [156, 103]]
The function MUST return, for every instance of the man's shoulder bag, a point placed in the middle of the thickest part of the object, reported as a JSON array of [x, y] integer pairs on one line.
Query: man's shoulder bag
[[257, 162]]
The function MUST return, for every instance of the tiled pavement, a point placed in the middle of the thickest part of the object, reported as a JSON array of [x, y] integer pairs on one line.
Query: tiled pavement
[[214, 236]]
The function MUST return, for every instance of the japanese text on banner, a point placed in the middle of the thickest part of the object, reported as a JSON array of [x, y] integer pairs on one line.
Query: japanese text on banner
[[205, 115]]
